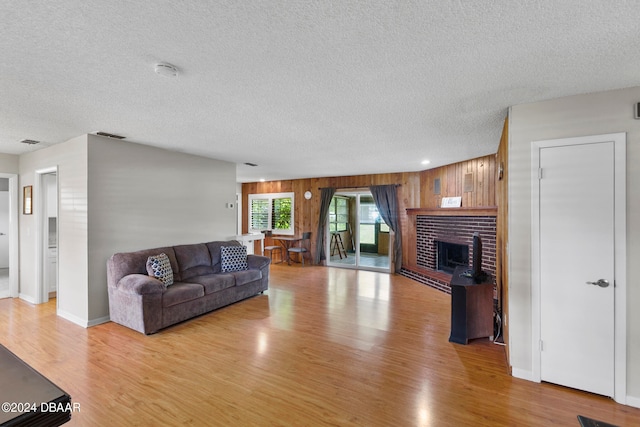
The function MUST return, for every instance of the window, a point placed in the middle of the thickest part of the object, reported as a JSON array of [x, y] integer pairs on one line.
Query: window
[[338, 214], [271, 211]]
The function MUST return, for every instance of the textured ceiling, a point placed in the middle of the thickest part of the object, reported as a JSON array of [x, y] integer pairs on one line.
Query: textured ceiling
[[304, 89]]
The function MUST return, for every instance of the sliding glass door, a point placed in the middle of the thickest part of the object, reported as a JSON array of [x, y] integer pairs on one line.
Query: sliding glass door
[[357, 236]]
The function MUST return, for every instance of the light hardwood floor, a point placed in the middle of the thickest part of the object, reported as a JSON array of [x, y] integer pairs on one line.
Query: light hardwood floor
[[324, 346]]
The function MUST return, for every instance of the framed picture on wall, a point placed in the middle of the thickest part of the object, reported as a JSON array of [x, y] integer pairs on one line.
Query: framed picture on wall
[[27, 200]]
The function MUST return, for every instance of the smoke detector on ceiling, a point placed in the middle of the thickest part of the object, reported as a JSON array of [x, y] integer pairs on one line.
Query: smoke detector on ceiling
[[166, 70]]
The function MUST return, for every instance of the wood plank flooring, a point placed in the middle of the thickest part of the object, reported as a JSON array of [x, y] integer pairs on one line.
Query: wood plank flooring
[[324, 347]]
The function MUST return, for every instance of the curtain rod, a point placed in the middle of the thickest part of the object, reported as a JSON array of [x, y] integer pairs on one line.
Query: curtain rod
[[356, 187]]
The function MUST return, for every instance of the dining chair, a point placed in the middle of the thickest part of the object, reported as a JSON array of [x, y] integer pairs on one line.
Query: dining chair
[[303, 249], [271, 248]]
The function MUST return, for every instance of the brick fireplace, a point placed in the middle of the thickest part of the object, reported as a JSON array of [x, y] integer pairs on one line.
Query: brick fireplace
[[454, 228]]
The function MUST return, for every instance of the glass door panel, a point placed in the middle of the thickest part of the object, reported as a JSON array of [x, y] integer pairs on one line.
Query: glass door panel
[[340, 235], [357, 235]]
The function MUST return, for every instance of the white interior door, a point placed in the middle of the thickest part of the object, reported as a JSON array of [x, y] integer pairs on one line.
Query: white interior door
[[577, 246]]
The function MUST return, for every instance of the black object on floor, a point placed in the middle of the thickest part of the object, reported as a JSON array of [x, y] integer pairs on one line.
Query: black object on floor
[[588, 422], [29, 399]]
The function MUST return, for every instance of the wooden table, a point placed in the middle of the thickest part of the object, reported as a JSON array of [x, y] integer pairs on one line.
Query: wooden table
[[286, 243], [27, 397], [471, 307]]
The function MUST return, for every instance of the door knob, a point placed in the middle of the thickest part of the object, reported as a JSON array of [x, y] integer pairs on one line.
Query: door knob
[[602, 283]]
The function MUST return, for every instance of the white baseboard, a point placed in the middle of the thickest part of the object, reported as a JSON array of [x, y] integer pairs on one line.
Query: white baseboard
[[81, 322], [633, 401], [27, 298], [5, 294], [522, 374], [528, 375], [72, 318]]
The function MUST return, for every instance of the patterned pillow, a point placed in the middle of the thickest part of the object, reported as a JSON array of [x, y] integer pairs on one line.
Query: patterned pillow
[[159, 266], [233, 258]]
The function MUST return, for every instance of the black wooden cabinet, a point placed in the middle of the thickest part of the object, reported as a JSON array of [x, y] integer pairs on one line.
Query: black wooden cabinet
[[471, 307]]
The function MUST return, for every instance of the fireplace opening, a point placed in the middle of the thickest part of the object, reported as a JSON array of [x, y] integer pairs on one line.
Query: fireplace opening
[[451, 255]]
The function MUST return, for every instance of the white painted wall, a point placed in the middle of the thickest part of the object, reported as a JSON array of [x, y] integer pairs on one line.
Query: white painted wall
[[51, 182], [9, 163], [119, 196], [9, 168], [143, 197], [592, 114], [71, 159]]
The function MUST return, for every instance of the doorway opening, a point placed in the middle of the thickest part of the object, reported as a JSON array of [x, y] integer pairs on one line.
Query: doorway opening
[[357, 236], [47, 234]]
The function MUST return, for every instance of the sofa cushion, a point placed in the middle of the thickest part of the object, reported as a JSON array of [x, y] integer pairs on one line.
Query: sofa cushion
[[233, 258], [214, 250], [125, 263], [181, 292], [246, 276], [214, 282], [194, 260], [159, 267]]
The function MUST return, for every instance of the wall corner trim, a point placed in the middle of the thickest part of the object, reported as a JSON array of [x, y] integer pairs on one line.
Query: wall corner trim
[[98, 321], [73, 318], [523, 374]]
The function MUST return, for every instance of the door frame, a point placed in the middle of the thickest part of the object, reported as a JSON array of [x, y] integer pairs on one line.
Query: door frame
[[620, 255], [42, 291], [357, 194]]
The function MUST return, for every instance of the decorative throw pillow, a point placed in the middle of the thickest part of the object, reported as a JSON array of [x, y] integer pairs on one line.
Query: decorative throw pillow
[[233, 258], [159, 266]]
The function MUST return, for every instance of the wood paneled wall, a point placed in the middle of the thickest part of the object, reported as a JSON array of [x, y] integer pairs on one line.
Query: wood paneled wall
[[477, 175], [415, 191]]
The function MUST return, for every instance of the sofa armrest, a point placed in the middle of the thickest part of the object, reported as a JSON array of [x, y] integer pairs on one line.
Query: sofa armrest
[[257, 261], [140, 284]]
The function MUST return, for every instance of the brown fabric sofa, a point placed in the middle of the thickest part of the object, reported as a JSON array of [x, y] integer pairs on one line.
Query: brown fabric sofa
[[142, 303]]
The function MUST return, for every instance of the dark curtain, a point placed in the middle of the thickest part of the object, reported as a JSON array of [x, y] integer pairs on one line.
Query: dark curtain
[[386, 200], [326, 194]]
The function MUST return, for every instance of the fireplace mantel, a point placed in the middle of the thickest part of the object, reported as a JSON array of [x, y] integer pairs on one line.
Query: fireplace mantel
[[480, 211]]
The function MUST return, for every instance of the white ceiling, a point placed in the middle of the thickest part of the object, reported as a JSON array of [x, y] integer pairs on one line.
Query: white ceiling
[[304, 88]]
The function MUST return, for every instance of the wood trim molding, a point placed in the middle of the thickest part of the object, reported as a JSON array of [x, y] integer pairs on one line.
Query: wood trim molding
[[479, 211]]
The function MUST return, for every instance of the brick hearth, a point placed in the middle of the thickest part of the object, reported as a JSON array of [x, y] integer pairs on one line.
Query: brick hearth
[[453, 229]]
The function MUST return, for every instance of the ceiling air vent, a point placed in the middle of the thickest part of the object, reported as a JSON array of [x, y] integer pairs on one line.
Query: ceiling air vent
[[110, 135], [250, 164], [30, 141]]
